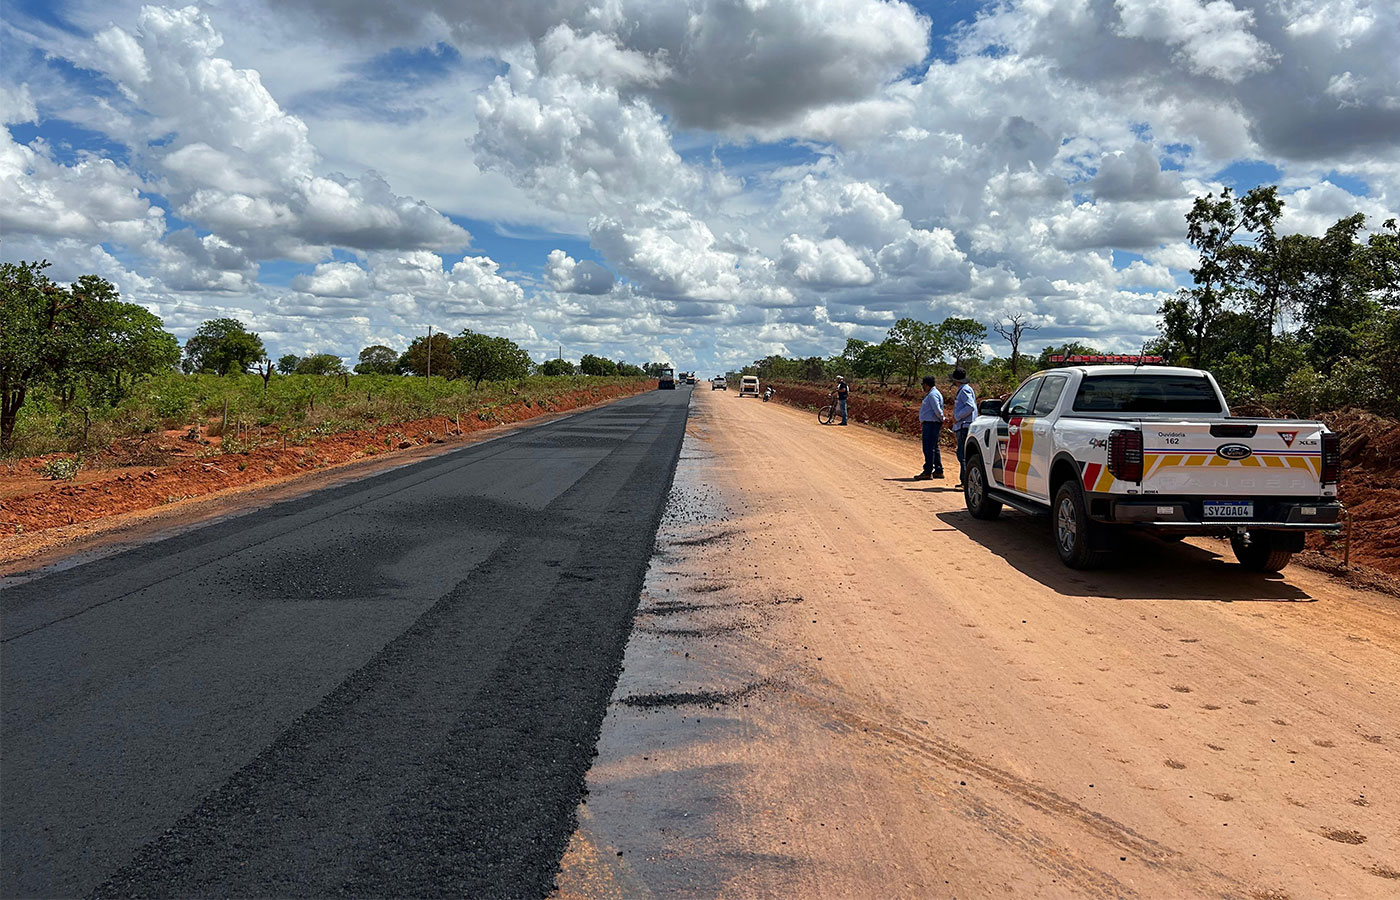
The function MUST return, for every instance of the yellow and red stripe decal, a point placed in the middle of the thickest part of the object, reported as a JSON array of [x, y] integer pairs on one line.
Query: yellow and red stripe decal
[[1155, 462], [1097, 477], [1019, 445]]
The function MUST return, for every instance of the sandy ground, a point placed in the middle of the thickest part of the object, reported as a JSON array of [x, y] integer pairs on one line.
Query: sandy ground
[[839, 684]]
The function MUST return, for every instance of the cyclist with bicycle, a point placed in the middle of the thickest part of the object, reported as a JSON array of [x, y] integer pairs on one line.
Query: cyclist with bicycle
[[842, 393]]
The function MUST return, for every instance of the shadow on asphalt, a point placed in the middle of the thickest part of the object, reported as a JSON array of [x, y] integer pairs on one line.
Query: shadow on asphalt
[[1142, 568]]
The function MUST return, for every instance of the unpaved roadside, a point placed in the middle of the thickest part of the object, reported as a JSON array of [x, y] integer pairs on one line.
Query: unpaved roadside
[[841, 685]]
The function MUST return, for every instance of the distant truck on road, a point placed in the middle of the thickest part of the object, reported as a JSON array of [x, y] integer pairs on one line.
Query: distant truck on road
[[666, 381], [1105, 447]]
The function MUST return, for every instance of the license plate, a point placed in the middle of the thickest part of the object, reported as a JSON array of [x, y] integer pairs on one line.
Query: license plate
[[1229, 509]]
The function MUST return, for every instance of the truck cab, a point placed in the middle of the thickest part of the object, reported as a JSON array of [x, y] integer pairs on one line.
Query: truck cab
[[1153, 448]]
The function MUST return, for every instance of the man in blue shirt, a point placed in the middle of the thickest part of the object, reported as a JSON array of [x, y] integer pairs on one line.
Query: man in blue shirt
[[930, 424], [964, 411]]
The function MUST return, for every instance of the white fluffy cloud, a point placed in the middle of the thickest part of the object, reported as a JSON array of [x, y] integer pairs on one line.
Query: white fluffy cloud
[[571, 276], [751, 177]]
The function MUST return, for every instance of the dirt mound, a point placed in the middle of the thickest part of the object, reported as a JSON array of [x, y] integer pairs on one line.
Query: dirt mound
[[28, 503], [1370, 489]]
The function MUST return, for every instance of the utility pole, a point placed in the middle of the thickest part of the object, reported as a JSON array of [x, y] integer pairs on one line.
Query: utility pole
[[430, 353]]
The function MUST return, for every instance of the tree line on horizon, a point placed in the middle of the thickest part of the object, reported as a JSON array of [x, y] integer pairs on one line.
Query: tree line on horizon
[[1285, 321]]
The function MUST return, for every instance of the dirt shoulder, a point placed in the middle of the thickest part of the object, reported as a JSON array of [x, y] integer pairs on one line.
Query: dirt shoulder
[[43, 522], [839, 684]]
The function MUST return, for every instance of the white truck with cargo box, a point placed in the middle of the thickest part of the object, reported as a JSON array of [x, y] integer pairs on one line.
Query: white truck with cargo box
[[748, 386], [1101, 448]]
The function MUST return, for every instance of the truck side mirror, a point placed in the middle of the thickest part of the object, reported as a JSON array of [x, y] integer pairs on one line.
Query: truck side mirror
[[989, 408]]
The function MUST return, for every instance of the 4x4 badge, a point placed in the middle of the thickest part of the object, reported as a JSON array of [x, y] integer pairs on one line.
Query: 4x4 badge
[[1288, 437]]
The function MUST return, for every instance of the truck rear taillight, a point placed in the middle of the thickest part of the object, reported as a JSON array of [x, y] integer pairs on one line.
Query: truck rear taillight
[[1331, 458], [1125, 455]]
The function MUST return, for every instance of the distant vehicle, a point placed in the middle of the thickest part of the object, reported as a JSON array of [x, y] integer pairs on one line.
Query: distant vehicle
[[690, 378], [748, 386], [1105, 447], [718, 383], [666, 381]]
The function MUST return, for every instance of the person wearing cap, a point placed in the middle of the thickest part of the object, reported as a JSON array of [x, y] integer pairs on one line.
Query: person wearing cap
[[843, 392], [964, 411], [930, 426]]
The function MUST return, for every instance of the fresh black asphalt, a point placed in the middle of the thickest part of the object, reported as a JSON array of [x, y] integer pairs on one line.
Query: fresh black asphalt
[[389, 688]]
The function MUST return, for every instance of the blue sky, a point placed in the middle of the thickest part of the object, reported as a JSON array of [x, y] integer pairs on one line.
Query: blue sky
[[622, 180]]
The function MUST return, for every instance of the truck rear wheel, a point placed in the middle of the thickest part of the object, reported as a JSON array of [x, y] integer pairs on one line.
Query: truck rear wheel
[[975, 493], [1261, 554], [1074, 532]]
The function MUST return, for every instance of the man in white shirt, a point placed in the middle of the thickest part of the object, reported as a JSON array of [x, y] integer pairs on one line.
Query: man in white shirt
[[930, 426]]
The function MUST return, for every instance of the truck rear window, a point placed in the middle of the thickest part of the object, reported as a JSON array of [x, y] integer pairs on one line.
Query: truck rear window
[[1146, 394]]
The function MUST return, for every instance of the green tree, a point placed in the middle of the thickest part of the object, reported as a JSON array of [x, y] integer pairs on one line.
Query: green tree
[[917, 344], [629, 369], [416, 358], [50, 335], [877, 360], [481, 357], [377, 359], [596, 365], [222, 346], [556, 367], [962, 338], [321, 364], [288, 364], [654, 369]]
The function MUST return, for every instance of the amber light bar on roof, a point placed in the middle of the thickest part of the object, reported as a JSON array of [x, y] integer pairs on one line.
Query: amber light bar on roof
[[1078, 359]]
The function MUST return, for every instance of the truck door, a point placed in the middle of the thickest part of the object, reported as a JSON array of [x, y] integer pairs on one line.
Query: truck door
[[1008, 464], [1041, 450]]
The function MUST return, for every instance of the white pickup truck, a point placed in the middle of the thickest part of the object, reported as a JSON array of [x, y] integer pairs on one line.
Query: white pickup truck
[[1104, 447]]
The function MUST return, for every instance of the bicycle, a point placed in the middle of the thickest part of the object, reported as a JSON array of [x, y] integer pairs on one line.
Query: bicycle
[[827, 414]]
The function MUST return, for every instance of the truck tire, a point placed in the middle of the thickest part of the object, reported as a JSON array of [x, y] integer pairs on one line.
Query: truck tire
[[1261, 554], [976, 494], [1074, 532]]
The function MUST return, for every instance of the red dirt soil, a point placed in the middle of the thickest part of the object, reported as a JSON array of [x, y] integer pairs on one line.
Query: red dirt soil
[[1370, 489], [1370, 462], [29, 503]]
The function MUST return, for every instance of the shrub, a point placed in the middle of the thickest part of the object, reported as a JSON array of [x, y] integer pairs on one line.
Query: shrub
[[64, 468]]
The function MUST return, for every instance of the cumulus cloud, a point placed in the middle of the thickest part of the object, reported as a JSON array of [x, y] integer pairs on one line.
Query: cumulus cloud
[[828, 263], [761, 177], [1213, 37], [1134, 174], [93, 198], [572, 276], [234, 161]]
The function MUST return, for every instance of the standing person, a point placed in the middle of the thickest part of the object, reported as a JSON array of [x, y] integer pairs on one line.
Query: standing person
[[843, 392], [931, 425], [964, 411]]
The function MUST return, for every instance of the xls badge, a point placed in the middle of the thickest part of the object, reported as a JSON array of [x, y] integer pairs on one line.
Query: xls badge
[[1233, 451]]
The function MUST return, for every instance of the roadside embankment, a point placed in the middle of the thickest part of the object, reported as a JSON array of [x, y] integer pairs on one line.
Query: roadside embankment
[[29, 504]]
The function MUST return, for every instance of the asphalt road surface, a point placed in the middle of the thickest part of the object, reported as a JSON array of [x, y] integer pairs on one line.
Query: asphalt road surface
[[393, 687]]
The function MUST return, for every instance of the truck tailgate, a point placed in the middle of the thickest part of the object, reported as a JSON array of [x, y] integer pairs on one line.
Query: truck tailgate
[[1251, 458]]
